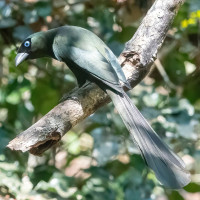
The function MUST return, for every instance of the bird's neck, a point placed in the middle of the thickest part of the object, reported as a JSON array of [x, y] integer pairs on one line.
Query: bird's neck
[[49, 42]]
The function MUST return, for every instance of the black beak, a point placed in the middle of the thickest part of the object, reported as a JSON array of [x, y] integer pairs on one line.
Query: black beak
[[20, 58]]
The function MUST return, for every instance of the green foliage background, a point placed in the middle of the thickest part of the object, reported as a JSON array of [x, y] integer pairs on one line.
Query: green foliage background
[[97, 160]]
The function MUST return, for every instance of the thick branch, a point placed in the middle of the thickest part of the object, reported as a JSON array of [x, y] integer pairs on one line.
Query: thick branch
[[136, 60]]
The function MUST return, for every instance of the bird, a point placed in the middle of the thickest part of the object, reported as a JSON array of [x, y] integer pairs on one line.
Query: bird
[[90, 59]]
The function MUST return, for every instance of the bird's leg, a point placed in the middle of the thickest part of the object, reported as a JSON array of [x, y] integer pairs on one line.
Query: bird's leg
[[68, 95], [80, 84], [87, 82]]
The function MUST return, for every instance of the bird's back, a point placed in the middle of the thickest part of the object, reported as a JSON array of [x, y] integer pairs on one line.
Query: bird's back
[[81, 38]]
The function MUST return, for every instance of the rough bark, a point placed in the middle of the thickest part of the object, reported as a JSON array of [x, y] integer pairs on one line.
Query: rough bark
[[136, 60]]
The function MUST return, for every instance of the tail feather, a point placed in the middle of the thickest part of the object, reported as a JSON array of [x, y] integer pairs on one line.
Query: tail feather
[[168, 167]]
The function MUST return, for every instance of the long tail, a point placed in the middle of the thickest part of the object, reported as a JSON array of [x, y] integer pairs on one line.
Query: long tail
[[168, 167]]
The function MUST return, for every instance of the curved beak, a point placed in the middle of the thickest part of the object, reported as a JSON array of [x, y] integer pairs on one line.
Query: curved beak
[[20, 58]]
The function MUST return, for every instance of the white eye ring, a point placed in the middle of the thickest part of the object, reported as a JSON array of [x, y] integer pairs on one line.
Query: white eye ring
[[27, 44]]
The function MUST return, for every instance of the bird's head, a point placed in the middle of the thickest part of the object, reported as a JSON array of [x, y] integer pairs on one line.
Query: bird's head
[[34, 46]]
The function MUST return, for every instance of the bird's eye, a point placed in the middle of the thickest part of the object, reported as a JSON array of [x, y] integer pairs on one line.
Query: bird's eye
[[27, 44]]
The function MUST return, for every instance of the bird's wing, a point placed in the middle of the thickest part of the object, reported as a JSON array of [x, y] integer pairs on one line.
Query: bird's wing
[[94, 63], [111, 58]]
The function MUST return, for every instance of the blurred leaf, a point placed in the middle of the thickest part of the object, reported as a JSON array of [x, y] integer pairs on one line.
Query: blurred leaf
[[44, 97], [42, 172], [175, 196], [11, 182], [124, 35], [116, 168], [13, 98], [132, 177], [6, 11], [174, 66], [100, 117], [7, 23], [152, 99], [43, 8], [58, 183], [25, 116], [30, 16], [98, 189], [21, 32], [73, 143], [132, 194], [192, 187], [4, 140], [2, 4], [2, 96], [98, 172], [44, 186], [105, 146], [138, 163], [194, 4]]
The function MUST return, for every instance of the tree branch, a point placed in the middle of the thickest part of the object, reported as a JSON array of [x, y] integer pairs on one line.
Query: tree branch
[[136, 59]]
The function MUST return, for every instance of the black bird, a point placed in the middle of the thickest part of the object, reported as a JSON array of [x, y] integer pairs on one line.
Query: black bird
[[91, 60]]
